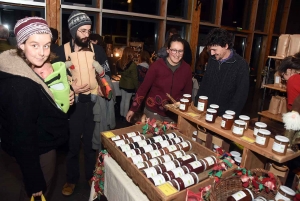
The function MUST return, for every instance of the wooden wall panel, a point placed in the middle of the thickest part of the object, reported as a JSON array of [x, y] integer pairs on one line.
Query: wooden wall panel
[[53, 14], [195, 32], [285, 16]]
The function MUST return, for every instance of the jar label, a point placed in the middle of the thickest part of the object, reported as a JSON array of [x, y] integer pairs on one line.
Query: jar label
[[116, 138], [278, 147], [260, 140], [170, 165], [182, 106], [148, 148], [255, 131], [279, 196], [154, 161], [184, 144], [172, 148], [188, 180], [150, 172], [155, 153], [158, 139], [137, 159], [195, 164], [125, 147], [130, 153], [131, 134], [194, 139], [164, 143], [223, 124], [177, 140], [142, 143], [239, 195], [158, 179], [120, 142], [136, 138], [170, 135], [209, 160], [186, 157], [237, 130], [200, 106], [140, 165], [166, 158], [209, 117], [178, 154], [178, 172]]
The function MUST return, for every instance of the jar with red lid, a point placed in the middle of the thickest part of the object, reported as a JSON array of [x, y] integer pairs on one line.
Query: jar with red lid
[[184, 105], [155, 153], [169, 165], [188, 96], [121, 142], [211, 115], [238, 128], [138, 158], [136, 138], [177, 172], [187, 159], [202, 103], [151, 171], [196, 166], [185, 145], [227, 121], [185, 181]]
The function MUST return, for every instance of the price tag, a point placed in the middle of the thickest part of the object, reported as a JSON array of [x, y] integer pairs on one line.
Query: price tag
[[109, 134], [167, 189], [248, 139]]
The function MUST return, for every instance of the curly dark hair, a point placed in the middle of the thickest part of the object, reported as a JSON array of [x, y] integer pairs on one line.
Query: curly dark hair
[[174, 37], [290, 62], [219, 37]]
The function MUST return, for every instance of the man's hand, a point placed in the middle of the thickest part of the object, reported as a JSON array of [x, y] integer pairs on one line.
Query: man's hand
[[129, 115], [37, 194], [80, 89], [71, 97]]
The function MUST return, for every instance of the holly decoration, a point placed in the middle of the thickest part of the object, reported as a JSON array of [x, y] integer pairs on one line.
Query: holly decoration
[[157, 127], [72, 67]]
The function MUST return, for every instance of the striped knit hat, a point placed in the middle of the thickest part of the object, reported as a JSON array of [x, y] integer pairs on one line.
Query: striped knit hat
[[29, 26], [76, 20]]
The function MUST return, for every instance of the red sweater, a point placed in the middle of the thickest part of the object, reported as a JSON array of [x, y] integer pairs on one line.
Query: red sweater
[[159, 80], [293, 89]]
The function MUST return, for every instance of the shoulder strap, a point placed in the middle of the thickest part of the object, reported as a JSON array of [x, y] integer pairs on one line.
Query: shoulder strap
[[67, 50], [92, 47]]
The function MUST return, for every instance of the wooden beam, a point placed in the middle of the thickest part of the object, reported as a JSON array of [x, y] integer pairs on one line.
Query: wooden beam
[[53, 14], [285, 16], [195, 33], [218, 16]]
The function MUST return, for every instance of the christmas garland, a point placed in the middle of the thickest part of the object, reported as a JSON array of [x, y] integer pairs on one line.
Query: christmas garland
[[157, 127]]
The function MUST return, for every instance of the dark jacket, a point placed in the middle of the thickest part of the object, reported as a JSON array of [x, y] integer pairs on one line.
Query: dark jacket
[[159, 80], [129, 77], [30, 122], [142, 69], [226, 84], [4, 45]]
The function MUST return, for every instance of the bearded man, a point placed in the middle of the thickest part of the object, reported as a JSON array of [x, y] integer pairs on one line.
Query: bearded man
[[81, 115]]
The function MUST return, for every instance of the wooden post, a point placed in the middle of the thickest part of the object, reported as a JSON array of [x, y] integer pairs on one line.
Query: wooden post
[[195, 33], [53, 14]]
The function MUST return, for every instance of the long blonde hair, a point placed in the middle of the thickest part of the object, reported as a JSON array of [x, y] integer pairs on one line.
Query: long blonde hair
[[127, 56]]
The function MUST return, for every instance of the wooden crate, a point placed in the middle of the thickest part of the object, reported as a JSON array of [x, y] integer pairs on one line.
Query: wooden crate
[[152, 192]]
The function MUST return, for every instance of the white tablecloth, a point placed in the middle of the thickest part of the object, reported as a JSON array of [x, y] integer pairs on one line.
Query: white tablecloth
[[116, 87]]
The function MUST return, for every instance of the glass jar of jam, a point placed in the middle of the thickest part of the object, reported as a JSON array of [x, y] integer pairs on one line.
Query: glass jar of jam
[[132, 152], [117, 137], [158, 138], [177, 154], [202, 103], [141, 143], [170, 135], [177, 172], [121, 142], [177, 140], [136, 138], [210, 161], [262, 138], [246, 119], [211, 115], [163, 144], [151, 171], [187, 159], [184, 105], [154, 161], [196, 166], [280, 145], [166, 158], [185, 181], [131, 134], [195, 135], [172, 148], [237, 160], [159, 179], [214, 106], [215, 147], [147, 148], [257, 126], [138, 158], [127, 147], [230, 112], [188, 96], [285, 193], [227, 121], [142, 165], [235, 154], [259, 198], [155, 153], [169, 165], [185, 145], [243, 195], [238, 128]]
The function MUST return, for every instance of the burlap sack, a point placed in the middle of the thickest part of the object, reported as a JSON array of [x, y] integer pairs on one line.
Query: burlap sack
[[274, 104], [294, 45], [283, 45]]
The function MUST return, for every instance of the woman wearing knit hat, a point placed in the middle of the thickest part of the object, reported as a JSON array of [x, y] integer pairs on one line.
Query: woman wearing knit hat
[[31, 124]]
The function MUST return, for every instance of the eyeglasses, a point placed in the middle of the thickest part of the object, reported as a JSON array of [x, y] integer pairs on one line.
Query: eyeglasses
[[84, 31], [173, 51]]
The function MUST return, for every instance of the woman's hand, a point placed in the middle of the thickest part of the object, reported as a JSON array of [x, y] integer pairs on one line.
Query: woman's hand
[[129, 115], [37, 194], [71, 97], [80, 89]]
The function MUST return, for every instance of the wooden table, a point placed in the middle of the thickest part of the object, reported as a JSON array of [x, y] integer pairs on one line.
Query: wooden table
[[253, 156]]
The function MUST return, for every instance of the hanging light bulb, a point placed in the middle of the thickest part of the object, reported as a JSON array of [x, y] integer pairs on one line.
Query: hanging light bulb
[[128, 1]]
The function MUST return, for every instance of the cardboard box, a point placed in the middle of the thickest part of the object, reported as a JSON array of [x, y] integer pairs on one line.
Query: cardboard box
[[152, 192]]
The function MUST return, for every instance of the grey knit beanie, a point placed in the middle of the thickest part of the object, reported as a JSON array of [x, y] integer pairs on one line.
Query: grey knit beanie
[[76, 20]]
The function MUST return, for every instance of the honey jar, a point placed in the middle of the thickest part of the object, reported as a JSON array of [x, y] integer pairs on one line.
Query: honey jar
[[227, 121], [230, 112], [214, 106], [202, 103], [184, 105], [246, 119], [285, 193], [280, 145], [262, 138], [188, 96], [257, 126], [238, 128], [211, 115]]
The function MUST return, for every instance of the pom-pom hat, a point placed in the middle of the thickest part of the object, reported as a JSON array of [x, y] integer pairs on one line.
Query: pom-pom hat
[[28, 26], [76, 20]]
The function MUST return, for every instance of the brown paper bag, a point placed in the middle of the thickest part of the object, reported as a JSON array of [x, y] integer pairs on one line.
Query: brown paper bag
[[294, 45], [282, 106], [283, 45], [274, 104]]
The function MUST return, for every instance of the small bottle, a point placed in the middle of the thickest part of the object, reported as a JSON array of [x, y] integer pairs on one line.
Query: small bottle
[[195, 135], [230, 112], [280, 145], [243, 195], [185, 145], [214, 106], [188, 96], [141, 143], [246, 119], [262, 138], [185, 181], [136, 138], [121, 142], [227, 121], [118, 137], [285, 193], [202, 103], [172, 148], [158, 138], [257, 126], [238, 128], [170, 135], [131, 134], [184, 105], [186, 159], [211, 115]]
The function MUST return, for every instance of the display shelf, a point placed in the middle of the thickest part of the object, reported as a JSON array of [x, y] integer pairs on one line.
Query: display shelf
[[277, 117], [275, 57], [275, 87]]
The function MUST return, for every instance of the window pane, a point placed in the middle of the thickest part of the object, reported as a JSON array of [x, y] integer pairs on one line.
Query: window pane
[[236, 13], [89, 3], [293, 20], [239, 44], [180, 27], [261, 15], [279, 16], [208, 10], [177, 8], [138, 6], [273, 47], [255, 53]]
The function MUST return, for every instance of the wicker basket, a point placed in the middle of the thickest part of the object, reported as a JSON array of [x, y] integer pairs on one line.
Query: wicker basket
[[228, 186]]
